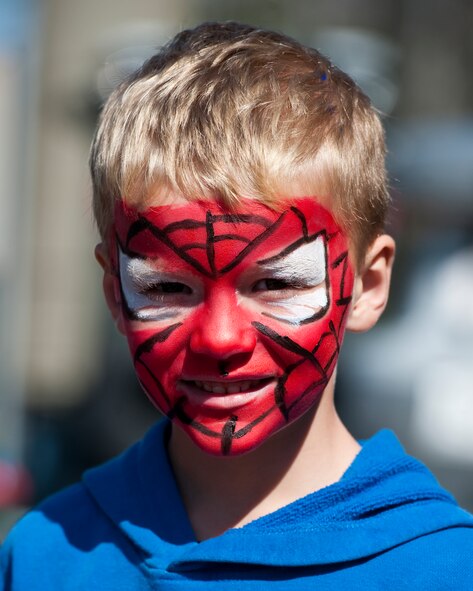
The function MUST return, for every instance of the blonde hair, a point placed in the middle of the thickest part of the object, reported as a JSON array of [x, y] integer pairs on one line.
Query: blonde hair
[[228, 111]]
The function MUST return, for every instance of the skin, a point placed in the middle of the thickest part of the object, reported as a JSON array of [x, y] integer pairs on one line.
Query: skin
[[290, 457]]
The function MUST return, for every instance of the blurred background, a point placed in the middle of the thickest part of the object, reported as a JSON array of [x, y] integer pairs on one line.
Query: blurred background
[[68, 395]]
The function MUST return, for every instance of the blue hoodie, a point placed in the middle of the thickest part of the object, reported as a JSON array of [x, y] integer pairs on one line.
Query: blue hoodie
[[385, 525]]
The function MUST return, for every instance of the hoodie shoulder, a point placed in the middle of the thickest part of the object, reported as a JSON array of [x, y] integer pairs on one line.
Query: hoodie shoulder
[[58, 517], [439, 561], [58, 530], [65, 541]]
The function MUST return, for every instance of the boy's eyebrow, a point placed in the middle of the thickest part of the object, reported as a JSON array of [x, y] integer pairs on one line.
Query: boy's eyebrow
[[307, 262]]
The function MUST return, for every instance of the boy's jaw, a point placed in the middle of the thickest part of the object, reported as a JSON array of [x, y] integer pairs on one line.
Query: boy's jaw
[[277, 369]]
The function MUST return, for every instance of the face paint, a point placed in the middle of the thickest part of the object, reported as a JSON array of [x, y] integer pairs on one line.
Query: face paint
[[234, 319]]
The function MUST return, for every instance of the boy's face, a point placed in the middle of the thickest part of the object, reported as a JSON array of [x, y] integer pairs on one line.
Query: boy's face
[[234, 319]]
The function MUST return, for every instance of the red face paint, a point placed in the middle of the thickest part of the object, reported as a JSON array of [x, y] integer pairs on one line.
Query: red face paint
[[234, 319]]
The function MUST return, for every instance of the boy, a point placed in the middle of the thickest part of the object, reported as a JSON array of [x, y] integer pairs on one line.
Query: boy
[[239, 188]]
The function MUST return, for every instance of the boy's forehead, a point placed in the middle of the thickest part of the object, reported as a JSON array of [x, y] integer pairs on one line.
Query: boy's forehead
[[246, 212], [214, 240], [303, 214]]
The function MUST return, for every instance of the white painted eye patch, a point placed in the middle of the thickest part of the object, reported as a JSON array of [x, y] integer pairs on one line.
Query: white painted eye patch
[[150, 294], [304, 271]]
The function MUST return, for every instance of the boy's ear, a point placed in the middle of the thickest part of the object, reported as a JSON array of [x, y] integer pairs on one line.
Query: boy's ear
[[371, 289], [111, 288]]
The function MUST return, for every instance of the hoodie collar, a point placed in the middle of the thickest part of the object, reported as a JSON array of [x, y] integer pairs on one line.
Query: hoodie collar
[[385, 498]]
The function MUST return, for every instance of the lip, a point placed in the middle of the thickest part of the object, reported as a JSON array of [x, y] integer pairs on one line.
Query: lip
[[222, 396]]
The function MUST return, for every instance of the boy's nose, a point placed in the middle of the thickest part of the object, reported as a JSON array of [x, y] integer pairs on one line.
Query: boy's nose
[[223, 330]]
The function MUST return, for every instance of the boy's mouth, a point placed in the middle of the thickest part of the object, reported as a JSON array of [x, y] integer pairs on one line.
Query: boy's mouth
[[221, 395], [226, 387]]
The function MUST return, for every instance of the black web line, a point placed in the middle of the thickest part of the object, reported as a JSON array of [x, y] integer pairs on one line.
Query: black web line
[[159, 337], [178, 412], [330, 361], [290, 345], [164, 238], [287, 343], [237, 237], [280, 398], [342, 318], [343, 258], [190, 224], [147, 346], [334, 332], [250, 426], [156, 381], [316, 316], [253, 244], [292, 247], [339, 259], [143, 224], [136, 228], [242, 218], [321, 340], [343, 300], [303, 220], [310, 388], [210, 243], [193, 245], [228, 431], [183, 225]]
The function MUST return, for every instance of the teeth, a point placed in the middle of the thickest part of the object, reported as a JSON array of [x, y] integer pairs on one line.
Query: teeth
[[227, 387]]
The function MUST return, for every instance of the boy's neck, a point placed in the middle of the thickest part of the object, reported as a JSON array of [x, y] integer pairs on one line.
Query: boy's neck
[[222, 493]]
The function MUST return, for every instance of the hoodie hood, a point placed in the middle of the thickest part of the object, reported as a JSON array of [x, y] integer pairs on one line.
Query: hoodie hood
[[384, 499]]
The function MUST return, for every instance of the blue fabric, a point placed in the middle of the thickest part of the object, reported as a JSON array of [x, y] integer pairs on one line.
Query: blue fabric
[[385, 525]]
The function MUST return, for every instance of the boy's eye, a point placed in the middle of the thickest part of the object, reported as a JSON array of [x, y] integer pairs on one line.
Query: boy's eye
[[272, 285], [168, 287]]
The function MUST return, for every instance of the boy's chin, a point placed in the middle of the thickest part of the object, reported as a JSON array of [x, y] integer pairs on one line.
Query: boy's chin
[[238, 448], [241, 440], [221, 446]]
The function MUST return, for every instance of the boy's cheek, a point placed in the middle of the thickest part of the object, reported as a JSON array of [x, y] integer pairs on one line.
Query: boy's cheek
[[149, 338], [157, 354]]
